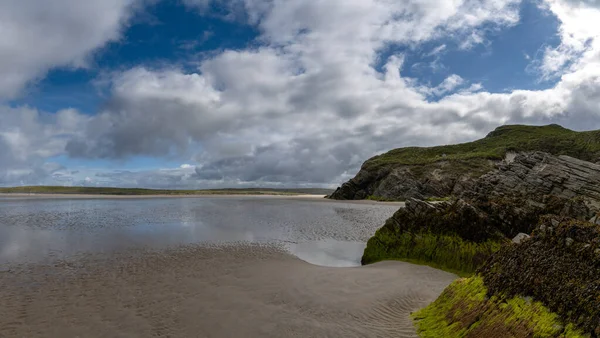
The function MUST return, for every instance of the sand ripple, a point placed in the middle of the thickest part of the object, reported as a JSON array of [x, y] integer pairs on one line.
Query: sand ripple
[[233, 291]]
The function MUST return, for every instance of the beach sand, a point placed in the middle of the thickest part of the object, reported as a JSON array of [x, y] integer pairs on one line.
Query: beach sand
[[231, 291]]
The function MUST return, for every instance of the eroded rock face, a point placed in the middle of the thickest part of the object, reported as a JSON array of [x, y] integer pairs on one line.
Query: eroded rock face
[[440, 179], [538, 175], [532, 176]]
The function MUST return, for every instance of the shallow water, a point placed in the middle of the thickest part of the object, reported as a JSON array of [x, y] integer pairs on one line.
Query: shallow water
[[329, 233]]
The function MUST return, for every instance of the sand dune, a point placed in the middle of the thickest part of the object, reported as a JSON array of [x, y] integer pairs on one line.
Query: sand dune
[[234, 291]]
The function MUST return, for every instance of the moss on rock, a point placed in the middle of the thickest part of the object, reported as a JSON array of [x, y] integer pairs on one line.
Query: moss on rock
[[465, 309], [446, 252], [559, 266]]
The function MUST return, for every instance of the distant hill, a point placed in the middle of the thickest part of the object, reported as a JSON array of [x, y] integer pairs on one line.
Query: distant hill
[[438, 172], [138, 191]]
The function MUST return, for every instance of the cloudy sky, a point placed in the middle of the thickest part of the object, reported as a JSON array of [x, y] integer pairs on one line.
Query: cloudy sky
[[214, 93]]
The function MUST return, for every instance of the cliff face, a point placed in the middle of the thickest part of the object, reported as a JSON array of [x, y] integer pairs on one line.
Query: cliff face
[[538, 174], [400, 182], [444, 171]]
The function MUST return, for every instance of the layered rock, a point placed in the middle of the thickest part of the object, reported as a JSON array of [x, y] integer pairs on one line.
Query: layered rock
[[443, 171], [538, 175], [400, 182]]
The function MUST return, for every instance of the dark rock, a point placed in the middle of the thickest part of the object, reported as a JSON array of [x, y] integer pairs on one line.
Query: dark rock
[[560, 270], [439, 179]]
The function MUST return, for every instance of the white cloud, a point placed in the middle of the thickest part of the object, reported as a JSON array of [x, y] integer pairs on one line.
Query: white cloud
[[38, 35], [29, 137], [437, 50], [307, 106], [579, 34]]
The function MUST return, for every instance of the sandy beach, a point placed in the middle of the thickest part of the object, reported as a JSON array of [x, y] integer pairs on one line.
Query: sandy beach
[[194, 291]]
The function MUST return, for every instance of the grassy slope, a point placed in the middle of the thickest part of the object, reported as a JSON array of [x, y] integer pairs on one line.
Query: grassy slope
[[465, 310], [553, 139], [136, 191]]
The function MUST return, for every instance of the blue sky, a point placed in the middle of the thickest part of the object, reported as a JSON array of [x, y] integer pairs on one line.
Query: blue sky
[[203, 93]]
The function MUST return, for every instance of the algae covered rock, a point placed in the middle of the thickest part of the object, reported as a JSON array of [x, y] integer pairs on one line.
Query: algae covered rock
[[559, 266], [460, 235], [455, 236]]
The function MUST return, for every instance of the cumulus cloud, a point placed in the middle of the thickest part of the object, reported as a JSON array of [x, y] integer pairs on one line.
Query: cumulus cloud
[[38, 35], [309, 104], [579, 34], [29, 137]]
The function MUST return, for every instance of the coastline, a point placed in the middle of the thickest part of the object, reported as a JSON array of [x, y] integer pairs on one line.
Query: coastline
[[299, 197]]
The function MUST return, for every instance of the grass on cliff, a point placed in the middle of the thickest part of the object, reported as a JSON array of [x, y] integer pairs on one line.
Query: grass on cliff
[[464, 309], [446, 252], [553, 139], [139, 191]]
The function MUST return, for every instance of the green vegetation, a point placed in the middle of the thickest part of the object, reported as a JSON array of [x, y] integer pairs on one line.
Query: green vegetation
[[138, 191], [475, 155], [446, 252], [465, 309]]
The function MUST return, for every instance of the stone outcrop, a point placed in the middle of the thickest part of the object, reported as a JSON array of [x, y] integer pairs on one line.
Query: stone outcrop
[[537, 175], [539, 154], [433, 180]]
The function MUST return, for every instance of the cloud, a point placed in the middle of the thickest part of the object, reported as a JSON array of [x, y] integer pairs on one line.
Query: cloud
[[38, 35], [579, 34], [306, 104], [29, 137]]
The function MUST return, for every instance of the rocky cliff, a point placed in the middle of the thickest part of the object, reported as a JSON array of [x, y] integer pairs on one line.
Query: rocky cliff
[[439, 172], [525, 232]]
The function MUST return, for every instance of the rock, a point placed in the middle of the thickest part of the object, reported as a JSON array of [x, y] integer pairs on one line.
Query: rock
[[537, 175], [554, 270], [520, 237], [569, 241]]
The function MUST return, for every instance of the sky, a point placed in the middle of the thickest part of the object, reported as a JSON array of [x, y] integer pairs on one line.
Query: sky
[[276, 93]]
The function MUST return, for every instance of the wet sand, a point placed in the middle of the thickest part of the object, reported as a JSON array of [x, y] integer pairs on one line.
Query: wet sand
[[193, 291]]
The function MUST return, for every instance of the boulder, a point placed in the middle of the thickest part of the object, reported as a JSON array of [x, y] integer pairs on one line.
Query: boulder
[[520, 237]]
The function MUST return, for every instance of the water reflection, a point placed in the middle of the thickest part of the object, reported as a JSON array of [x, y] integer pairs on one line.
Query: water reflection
[[325, 233]]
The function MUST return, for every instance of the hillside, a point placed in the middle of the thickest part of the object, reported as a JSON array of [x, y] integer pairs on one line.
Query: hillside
[[438, 172], [138, 191]]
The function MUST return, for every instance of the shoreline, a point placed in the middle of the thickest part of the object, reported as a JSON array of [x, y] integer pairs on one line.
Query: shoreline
[[299, 197], [180, 292]]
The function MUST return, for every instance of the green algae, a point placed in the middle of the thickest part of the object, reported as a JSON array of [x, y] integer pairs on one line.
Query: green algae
[[446, 252], [465, 309]]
